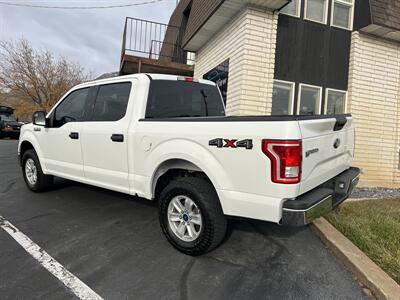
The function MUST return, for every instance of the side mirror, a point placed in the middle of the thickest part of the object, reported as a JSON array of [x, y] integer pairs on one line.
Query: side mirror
[[39, 118]]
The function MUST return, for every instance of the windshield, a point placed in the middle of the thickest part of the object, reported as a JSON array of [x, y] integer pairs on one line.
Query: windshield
[[7, 118], [172, 99]]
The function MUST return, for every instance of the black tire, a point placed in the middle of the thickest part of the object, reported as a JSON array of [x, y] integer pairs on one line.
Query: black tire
[[203, 194], [43, 182]]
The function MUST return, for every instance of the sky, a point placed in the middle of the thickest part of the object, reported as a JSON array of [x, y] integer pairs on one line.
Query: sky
[[92, 38]]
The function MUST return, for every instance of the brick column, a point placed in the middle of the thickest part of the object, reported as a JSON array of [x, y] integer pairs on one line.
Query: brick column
[[249, 41], [374, 88]]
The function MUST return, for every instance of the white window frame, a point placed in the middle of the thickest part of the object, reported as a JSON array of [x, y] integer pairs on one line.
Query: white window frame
[[297, 15], [351, 24], [334, 90], [325, 21], [293, 85], [301, 85]]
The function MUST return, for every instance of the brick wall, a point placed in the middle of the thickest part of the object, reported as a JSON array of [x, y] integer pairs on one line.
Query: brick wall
[[374, 95], [249, 41]]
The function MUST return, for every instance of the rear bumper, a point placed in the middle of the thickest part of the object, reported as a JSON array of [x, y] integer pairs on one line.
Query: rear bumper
[[321, 200]]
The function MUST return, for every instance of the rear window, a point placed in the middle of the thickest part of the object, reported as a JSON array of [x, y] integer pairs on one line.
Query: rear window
[[179, 99]]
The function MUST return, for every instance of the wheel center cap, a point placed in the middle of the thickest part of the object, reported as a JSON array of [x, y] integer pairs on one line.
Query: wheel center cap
[[185, 217]]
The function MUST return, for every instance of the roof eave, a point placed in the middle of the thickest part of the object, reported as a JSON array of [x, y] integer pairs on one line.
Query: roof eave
[[223, 15], [382, 31]]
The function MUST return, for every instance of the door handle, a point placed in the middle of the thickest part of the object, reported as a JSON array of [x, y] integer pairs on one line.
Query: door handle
[[74, 136], [117, 138]]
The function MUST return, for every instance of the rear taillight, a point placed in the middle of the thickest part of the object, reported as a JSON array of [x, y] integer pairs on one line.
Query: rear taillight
[[286, 157]]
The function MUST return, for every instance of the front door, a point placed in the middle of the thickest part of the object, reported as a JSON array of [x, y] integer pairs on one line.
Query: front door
[[62, 140], [104, 138]]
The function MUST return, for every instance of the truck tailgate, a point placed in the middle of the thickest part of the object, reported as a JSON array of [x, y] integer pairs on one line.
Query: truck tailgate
[[328, 146]]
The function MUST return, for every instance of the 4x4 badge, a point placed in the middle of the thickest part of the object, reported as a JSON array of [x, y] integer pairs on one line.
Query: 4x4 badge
[[231, 143]]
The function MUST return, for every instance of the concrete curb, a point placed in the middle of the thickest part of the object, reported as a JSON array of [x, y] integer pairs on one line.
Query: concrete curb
[[362, 199], [367, 272], [369, 199]]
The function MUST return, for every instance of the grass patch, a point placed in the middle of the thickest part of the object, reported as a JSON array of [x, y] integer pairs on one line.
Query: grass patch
[[374, 227]]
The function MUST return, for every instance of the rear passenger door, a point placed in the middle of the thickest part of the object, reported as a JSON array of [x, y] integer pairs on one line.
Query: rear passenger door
[[104, 138]]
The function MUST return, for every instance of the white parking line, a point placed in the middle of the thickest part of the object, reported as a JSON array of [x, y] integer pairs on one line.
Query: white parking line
[[73, 283]]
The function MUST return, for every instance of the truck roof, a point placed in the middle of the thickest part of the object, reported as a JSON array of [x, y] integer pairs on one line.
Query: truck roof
[[138, 76]]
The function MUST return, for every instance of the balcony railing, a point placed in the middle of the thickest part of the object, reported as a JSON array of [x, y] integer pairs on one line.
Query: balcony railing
[[154, 40]]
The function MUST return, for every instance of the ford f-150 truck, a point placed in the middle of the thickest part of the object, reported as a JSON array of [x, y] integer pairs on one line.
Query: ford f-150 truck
[[167, 138]]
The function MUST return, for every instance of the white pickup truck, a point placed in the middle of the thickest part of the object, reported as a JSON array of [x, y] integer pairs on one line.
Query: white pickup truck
[[167, 138]]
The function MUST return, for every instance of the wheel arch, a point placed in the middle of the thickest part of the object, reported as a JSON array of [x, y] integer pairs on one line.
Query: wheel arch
[[25, 146], [172, 168], [182, 157], [27, 142]]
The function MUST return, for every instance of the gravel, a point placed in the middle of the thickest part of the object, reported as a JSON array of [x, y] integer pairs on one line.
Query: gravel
[[378, 193]]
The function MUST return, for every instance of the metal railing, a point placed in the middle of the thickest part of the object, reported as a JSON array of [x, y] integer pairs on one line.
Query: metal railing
[[155, 41]]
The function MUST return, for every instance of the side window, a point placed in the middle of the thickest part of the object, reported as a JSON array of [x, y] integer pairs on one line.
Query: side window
[[335, 102], [309, 100], [112, 102], [72, 108], [282, 98], [316, 10], [342, 13], [292, 9]]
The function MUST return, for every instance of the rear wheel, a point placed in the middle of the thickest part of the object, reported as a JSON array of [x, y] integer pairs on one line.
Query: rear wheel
[[33, 174], [191, 216]]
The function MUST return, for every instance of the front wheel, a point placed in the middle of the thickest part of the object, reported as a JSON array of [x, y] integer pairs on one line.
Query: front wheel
[[33, 174], [191, 216]]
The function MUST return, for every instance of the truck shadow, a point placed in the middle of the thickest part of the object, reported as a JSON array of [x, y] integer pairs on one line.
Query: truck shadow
[[65, 184], [262, 228]]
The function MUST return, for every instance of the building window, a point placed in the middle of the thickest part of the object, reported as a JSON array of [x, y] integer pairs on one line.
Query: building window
[[316, 10], [292, 9], [335, 102], [220, 75], [309, 100], [282, 98], [342, 13]]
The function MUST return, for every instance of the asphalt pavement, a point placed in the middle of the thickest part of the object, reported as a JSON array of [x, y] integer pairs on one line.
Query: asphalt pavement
[[113, 243]]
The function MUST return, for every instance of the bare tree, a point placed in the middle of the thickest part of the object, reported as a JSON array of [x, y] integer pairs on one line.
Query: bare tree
[[36, 77]]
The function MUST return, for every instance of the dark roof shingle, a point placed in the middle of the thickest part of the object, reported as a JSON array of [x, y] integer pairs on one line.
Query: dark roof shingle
[[386, 13], [199, 14], [200, 11]]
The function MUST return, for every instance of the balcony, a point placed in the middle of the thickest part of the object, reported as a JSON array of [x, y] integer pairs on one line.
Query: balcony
[[151, 47]]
